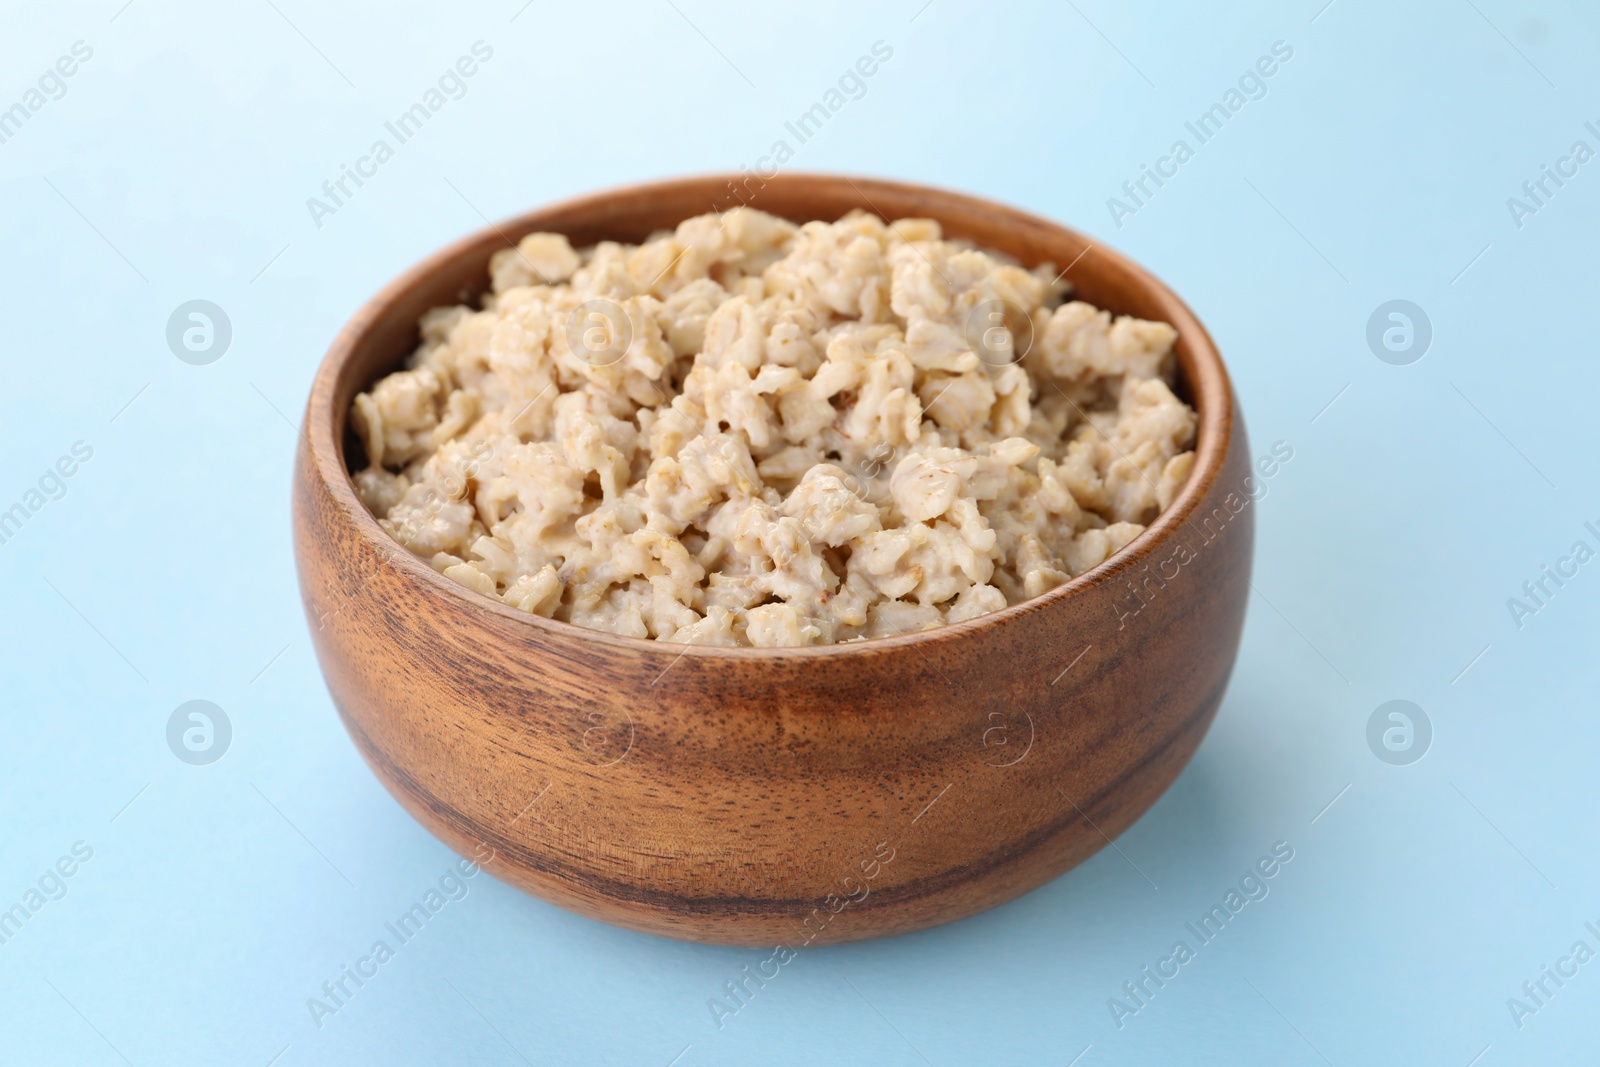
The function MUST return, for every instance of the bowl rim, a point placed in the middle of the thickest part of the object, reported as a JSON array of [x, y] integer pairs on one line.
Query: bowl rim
[[1207, 379]]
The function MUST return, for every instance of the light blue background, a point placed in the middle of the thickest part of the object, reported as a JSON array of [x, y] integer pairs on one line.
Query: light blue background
[[1378, 166]]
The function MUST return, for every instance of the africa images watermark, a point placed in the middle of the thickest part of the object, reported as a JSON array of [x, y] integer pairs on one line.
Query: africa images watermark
[[1252, 85], [1537, 592], [52, 885], [337, 992], [451, 85], [1252, 888], [51, 85], [851, 85], [1147, 581], [1537, 992], [52, 485], [857, 887], [1538, 192]]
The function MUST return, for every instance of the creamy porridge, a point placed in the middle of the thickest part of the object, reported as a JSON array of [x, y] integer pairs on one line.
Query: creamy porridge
[[746, 432]]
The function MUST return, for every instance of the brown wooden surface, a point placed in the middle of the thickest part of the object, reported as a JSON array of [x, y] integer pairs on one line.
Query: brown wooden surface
[[767, 796]]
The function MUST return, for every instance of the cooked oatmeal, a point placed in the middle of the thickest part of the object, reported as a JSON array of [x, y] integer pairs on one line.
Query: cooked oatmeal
[[746, 432]]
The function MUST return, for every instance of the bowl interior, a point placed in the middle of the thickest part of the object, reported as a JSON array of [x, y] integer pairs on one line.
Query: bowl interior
[[384, 332]]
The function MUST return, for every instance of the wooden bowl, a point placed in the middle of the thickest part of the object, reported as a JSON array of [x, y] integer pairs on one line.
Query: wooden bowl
[[777, 796]]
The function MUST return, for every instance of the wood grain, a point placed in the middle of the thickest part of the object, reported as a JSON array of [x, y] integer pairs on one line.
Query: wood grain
[[793, 796]]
